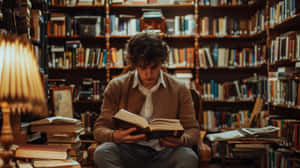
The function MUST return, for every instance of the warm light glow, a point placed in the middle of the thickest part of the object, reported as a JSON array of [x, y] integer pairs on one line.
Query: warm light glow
[[20, 80]]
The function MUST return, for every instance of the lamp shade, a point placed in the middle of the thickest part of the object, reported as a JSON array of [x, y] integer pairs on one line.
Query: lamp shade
[[20, 81]]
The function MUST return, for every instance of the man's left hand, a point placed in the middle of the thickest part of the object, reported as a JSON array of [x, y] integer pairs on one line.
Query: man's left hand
[[170, 141]]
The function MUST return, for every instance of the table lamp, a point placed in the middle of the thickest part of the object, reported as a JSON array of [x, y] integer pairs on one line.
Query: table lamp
[[21, 89]]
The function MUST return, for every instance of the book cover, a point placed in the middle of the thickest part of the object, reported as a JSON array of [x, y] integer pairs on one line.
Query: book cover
[[156, 128], [33, 151]]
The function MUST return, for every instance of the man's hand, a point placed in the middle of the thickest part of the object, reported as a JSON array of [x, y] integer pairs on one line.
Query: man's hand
[[170, 141], [123, 136]]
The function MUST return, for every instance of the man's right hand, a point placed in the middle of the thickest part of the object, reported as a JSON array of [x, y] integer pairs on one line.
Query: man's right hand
[[123, 136]]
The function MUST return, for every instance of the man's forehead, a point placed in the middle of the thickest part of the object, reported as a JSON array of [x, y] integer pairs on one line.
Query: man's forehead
[[145, 64]]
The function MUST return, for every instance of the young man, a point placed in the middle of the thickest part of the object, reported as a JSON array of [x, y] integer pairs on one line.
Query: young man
[[151, 93]]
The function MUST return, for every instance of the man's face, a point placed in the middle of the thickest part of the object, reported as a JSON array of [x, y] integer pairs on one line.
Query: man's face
[[149, 74]]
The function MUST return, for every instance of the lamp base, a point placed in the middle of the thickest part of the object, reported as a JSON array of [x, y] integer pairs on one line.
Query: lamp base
[[6, 136]]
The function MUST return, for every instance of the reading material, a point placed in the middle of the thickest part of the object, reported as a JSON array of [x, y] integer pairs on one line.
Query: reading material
[[156, 128], [55, 120], [41, 152], [241, 133]]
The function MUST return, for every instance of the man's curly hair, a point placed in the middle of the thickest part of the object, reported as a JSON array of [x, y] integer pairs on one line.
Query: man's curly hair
[[146, 48]]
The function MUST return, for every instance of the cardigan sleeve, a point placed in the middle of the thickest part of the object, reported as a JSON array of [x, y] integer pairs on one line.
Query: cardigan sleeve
[[103, 128], [187, 117]]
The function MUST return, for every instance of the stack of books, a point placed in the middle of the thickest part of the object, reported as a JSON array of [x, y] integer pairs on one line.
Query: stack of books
[[43, 156], [61, 131]]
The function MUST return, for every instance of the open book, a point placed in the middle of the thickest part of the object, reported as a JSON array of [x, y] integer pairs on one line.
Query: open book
[[55, 120], [243, 132], [156, 128]]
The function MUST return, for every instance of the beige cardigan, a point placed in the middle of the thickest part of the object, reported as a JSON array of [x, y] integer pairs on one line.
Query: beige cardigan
[[170, 102]]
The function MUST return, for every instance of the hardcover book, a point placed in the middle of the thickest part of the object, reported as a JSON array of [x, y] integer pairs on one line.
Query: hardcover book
[[155, 128], [41, 152]]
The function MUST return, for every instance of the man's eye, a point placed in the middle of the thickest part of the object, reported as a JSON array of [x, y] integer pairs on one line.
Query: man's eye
[[154, 67]]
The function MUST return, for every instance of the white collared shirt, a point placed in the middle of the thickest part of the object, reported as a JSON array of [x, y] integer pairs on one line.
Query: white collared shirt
[[147, 109]]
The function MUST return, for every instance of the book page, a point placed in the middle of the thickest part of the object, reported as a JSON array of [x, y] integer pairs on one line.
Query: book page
[[55, 120], [264, 130], [163, 124], [225, 135], [131, 118]]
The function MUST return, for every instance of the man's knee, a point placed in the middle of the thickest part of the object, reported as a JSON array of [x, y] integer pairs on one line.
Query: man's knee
[[184, 157], [105, 153]]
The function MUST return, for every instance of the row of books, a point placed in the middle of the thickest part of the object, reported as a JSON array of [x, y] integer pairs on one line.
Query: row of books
[[222, 26], [145, 2], [282, 90], [181, 57], [77, 57], [282, 10], [280, 158], [88, 119], [215, 120], [258, 22], [230, 90], [285, 47], [62, 25], [228, 57], [130, 25], [27, 20], [75, 2], [87, 89], [289, 131], [124, 24], [225, 2]]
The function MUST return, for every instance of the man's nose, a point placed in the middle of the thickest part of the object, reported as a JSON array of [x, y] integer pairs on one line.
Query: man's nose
[[148, 72]]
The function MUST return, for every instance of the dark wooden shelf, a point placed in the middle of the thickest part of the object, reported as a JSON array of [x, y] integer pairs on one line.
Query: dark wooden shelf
[[281, 63], [238, 41], [87, 101], [168, 10], [88, 9], [285, 110], [75, 69], [76, 75], [229, 74], [289, 24], [217, 101], [237, 11], [226, 105]]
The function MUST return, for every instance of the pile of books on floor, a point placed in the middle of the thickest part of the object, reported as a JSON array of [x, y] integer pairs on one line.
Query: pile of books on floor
[[61, 131], [45, 156]]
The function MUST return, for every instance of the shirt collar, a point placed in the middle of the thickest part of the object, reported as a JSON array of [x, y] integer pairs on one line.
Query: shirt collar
[[136, 80]]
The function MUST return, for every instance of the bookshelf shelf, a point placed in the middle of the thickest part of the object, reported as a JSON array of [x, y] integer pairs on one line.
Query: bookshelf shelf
[[284, 110], [158, 6], [250, 69], [217, 101], [230, 10], [281, 63], [96, 41], [167, 9], [230, 105], [54, 70], [291, 23], [78, 9], [101, 37], [87, 101], [229, 74]]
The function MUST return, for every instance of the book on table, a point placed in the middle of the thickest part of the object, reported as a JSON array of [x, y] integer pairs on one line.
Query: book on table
[[155, 128], [33, 151], [56, 163], [240, 133], [55, 120]]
